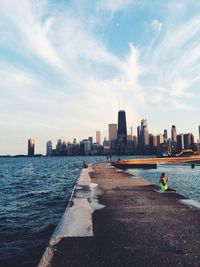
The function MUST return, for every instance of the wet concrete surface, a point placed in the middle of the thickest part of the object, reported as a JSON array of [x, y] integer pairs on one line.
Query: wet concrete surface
[[137, 226]]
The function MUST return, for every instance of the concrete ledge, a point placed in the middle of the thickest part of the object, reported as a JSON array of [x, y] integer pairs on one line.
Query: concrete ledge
[[77, 218], [164, 192], [191, 203]]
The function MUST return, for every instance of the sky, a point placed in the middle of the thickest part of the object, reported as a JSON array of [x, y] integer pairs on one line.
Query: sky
[[67, 67]]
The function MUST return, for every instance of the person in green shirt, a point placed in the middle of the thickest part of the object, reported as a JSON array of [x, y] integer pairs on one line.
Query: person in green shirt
[[164, 182]]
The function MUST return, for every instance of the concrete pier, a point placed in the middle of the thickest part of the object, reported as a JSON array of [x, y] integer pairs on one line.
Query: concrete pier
[[126, 222]]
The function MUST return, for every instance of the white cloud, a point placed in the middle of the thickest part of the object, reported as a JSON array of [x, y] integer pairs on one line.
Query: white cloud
[[28, 30], [115, 5]]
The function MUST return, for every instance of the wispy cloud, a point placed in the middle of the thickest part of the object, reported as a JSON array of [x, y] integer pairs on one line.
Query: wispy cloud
[[115, 5]]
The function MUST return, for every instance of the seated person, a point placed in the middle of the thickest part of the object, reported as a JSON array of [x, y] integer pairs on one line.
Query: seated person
[[85, 165], [164, 182]]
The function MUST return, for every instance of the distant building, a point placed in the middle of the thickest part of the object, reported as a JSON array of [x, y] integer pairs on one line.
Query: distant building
[[160, 141], [180, 142], [121, 132], [90, 138], [112, 131], [98, 137], [73, 149], [165, 136], [97, 149], [49, 148], [173, 134], [130, 145], [88, 147], [152, 144], [85, 147], [106, 146], [59, 147], [64, 151], [31, 147], [144, 137]]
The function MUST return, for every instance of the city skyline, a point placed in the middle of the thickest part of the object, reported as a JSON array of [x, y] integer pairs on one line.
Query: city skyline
[[118, 140], [57, 84], [130, 132]]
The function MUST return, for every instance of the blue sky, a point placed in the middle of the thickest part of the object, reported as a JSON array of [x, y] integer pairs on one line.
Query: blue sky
[[67, 66]]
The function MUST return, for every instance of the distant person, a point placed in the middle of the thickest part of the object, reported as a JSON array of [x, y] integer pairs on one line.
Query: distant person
[[85, 165], [164, 183]]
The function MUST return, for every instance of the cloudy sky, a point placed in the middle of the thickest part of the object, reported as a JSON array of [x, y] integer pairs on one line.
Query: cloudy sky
[[66, 67]]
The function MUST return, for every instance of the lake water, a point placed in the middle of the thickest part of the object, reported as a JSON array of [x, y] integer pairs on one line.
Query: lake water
[[35, 193], [182, 178]]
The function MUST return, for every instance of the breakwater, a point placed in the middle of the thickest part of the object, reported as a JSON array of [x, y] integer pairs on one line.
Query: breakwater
[[133, 225], [151, 163]]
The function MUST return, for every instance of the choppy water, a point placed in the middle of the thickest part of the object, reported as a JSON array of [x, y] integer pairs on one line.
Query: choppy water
[[34, 194], [183, 179]]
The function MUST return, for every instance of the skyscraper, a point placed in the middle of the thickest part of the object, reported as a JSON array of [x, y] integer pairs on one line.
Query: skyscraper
[[165, 136], [90, 138], [144, 137], [174, 134], [152, 144], [49, 148], [31, 147], [112, 131], [180, 142], [121, 132], [98, 137], [160, 141]]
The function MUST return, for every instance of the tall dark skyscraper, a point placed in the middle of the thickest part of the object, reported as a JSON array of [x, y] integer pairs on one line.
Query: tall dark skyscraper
[[121, 132], [31, 147]]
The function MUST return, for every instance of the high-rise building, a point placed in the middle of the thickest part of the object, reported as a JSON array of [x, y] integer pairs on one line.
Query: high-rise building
[[112, 131], [49, 148], [85, 147], [187, 141], [153, 143], [160, 141], [165, 136], [98, 137], [174, 134], [144, 137], [31, 147], [121, 132], [90, 138], [59, 147], [180, 142]]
